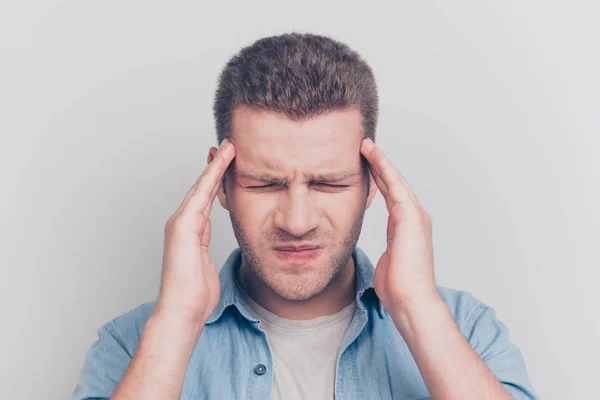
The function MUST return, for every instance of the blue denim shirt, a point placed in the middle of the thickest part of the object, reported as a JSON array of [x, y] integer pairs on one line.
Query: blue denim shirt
[[232, 359]]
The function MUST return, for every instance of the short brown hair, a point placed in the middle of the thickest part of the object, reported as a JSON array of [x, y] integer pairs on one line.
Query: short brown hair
[[300, 75]]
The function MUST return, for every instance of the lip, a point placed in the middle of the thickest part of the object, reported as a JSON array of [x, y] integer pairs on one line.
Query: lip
[[298, 254], [297, 247]]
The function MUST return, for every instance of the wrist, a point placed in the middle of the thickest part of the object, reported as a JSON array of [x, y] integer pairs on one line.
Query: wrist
[[419, 314], [181, 313], [159, 365], [413, 300], [177, 322]]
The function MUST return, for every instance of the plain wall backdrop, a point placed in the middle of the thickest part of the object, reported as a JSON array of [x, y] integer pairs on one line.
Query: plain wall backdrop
[[489, 109]]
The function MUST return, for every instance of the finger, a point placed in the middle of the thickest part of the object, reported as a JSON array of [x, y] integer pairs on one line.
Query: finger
[[380, 184], [397, 191], [207, 185], [391, 229], [205, 240], [206, 211], [216, 190], [409, 188], [217, 167], [186, 198], [383, 189], [192, 190]]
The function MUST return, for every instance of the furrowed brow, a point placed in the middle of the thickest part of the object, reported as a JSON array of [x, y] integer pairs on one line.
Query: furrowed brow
[[336, 176], [325, 177], [263, 177]]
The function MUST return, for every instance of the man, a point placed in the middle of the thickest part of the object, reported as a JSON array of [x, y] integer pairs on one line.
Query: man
[[298, 311]]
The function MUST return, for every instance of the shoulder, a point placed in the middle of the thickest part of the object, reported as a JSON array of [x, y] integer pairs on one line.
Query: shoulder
[[107, 359], [489, 337], [465, 308], [127, 328]]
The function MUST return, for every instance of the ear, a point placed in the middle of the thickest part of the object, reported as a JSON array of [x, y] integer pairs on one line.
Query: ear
[[221, 193], [372, 190]]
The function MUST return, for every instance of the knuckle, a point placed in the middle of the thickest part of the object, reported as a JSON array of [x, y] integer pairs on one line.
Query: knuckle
[[426, 217], [169, 224], [174, 223], [186, 221], [397, 211]]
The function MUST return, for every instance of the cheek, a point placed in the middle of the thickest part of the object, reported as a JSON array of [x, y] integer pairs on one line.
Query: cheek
[[341, 209], [253, 210]]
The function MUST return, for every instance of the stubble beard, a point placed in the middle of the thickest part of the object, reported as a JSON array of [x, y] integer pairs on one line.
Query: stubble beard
[[299, 287]]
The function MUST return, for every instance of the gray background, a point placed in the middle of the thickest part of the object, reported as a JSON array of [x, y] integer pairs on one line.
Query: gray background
[[490, 110]]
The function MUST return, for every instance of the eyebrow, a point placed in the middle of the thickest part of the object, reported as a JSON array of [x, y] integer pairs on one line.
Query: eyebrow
[[327, 177], [336, 176], [263, 177]]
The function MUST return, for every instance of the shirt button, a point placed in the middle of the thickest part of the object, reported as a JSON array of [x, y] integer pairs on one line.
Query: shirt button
[[260, 369]]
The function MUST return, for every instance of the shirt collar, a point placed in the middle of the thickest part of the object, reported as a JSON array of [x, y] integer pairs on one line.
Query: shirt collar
[[231, 296]]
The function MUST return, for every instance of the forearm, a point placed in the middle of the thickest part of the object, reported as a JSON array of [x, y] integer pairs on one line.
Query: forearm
[[157, 371], [448, 364]]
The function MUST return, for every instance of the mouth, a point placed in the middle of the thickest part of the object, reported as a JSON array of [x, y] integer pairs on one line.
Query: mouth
[[299, 254]]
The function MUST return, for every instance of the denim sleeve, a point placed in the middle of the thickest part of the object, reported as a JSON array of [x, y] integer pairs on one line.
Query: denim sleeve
[[489, 338], [105, 362]]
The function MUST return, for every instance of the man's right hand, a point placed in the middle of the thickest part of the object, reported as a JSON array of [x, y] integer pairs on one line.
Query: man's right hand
[[190, 283], [189, 293]]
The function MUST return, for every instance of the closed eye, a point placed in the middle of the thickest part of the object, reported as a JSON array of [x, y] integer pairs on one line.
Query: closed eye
[[331, 186], [273, 185], [263, 186]]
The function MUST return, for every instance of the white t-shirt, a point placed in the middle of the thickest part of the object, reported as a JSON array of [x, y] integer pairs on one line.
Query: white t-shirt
[[304, 352]]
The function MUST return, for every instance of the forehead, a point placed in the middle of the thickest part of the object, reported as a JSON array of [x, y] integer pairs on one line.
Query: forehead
[[269, 140]]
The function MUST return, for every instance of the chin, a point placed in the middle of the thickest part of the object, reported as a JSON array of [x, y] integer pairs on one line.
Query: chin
[[298, 287], [293, 295]]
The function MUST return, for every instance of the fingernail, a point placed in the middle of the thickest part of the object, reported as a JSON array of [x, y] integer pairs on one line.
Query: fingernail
[[224, 144]]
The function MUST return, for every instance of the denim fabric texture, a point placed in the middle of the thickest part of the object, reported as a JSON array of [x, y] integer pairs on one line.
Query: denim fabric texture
[[232, 359]]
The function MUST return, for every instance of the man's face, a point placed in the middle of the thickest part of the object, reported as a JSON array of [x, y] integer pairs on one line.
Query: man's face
[[295, 185]]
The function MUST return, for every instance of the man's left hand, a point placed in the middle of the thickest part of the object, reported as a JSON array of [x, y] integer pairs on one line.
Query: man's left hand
[[404, 275]]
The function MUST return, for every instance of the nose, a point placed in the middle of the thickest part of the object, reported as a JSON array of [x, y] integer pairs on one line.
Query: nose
[[297, 214]]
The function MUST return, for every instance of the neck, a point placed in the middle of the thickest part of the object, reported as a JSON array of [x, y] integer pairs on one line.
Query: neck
[[336, 296]]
